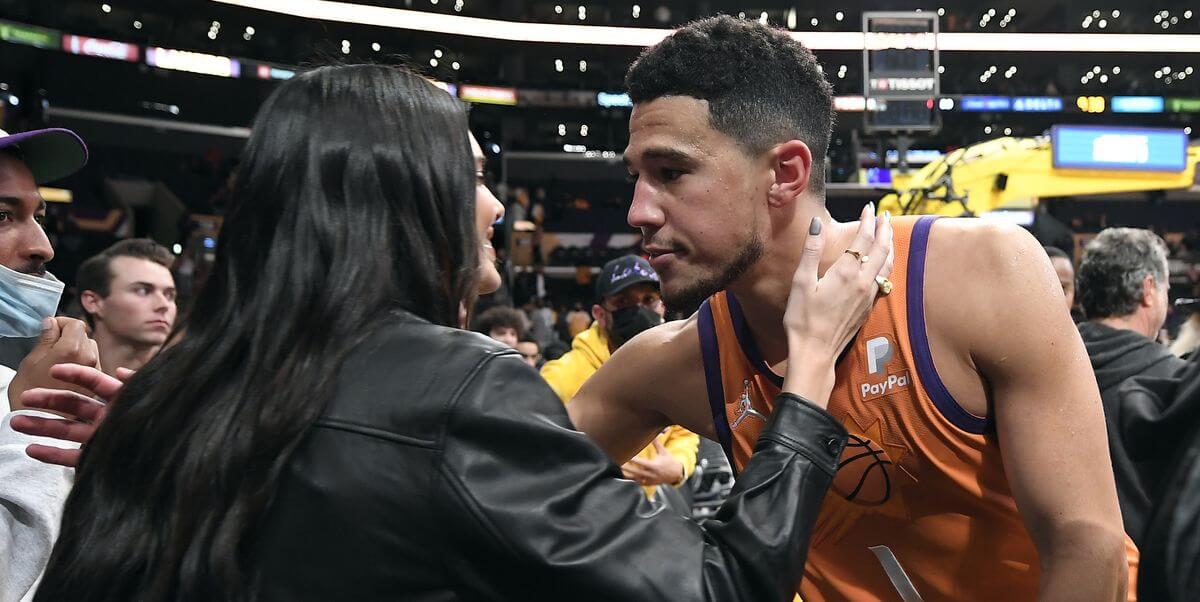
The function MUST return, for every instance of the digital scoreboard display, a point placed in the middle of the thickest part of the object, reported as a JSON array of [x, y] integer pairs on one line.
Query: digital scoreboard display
[[900, 70], [1108, 147]]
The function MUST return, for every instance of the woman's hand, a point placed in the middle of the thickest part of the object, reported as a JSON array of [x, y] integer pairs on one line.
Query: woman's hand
[[823, 314], [83, 414]]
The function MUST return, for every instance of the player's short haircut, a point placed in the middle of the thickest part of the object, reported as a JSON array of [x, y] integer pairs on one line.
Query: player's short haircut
[[763, 87], [1114, 265]]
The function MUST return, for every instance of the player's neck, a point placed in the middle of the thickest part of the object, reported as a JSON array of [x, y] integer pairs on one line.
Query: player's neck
[[763, 290]]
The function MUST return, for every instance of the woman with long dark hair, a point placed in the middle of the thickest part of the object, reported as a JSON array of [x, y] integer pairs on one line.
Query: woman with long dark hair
[[325, 431]]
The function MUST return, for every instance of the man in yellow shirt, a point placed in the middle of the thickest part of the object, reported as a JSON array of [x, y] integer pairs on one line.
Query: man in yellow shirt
[[629, 303]]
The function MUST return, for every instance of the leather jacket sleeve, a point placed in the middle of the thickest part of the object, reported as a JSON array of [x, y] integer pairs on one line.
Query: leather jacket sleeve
[[534, 509]]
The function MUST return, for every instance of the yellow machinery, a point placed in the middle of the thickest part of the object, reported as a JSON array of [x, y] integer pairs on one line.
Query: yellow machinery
[[1013, 173]]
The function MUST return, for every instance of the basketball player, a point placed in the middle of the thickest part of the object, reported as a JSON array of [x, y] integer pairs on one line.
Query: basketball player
[[980, 469]]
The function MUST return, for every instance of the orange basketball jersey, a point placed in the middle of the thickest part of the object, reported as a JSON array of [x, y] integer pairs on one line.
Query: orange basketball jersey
[[920, 492]]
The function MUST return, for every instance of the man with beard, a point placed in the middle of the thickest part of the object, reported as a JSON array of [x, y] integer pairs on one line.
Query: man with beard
[[978, 467], [629, 303]]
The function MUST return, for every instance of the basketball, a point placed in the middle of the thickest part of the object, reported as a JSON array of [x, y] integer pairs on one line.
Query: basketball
[[863, 473]]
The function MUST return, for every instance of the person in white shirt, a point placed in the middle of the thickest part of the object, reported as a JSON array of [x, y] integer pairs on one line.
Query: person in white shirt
[[31, 493]]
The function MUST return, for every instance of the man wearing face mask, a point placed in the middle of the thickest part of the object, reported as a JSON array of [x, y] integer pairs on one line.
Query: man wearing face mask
[[31, 493], [629, 302]]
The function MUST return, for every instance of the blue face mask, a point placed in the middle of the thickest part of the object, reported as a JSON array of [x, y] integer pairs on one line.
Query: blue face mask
[[26, 301]]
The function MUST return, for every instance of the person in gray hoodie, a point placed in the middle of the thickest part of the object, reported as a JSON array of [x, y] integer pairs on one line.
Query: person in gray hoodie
[[1123, 290]]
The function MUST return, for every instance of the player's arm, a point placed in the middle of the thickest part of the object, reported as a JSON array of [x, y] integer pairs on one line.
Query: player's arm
[[1049, 419], [652, 381]]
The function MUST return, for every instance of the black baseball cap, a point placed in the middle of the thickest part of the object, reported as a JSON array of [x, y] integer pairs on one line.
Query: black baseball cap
[[49, 154], [622, 273]]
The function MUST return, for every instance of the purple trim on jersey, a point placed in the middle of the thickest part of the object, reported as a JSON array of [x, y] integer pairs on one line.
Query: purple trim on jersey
[[746, 341], [919, 339], [711, 354]]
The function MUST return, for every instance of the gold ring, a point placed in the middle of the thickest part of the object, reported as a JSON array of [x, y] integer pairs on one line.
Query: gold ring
[[885, 285], [859, 256]]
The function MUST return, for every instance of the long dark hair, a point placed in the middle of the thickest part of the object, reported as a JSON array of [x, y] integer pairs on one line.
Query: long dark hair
[[354, 198]]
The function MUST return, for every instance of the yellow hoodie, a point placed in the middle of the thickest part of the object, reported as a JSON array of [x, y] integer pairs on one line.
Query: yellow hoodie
[[588, 352]]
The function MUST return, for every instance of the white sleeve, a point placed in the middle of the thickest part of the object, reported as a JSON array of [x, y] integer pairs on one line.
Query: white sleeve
[[6, 376], [31, 501]]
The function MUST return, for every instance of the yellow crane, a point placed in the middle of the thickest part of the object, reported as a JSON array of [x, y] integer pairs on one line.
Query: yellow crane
[[1013, 173]]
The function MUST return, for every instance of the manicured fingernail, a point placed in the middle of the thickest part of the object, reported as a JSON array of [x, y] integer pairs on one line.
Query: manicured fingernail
[[814, 228], [871, 207], [887, 214]]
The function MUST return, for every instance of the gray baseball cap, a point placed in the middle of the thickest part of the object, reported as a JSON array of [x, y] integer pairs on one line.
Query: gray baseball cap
[[50, 154]]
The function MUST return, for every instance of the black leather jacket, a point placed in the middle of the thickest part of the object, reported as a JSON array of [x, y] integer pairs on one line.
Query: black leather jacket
[[446, 469]]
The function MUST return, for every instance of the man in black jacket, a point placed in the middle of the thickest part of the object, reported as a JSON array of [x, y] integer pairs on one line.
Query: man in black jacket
[[1170, 409], [1123, 290]]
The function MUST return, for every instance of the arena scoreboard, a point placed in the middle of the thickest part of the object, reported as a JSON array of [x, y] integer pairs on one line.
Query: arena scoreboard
[[900, 71], [1122, 148]]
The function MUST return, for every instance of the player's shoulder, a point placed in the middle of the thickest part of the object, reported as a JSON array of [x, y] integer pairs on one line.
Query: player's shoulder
[[676, 336], [968, 245], [975, 269], [658, 366]]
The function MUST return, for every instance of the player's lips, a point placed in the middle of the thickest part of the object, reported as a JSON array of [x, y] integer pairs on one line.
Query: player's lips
[[660, 256], [160, 324]]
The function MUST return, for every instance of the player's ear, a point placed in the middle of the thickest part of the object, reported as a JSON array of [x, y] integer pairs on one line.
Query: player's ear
[[791, 164]]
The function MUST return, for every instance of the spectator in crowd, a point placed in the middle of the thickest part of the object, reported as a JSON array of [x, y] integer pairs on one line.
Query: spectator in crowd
[[1123, 290], [127, 294], [1170, 546], [1065, 268], [1189, 336], [561, 327], [530, 351], [541, 319], [504, 324], [555, 350], [578, 320], [31, 493], [628, 303], [518, 208], [1188, 339]]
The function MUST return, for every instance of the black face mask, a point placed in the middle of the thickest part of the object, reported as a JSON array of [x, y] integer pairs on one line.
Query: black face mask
[[629, 321]]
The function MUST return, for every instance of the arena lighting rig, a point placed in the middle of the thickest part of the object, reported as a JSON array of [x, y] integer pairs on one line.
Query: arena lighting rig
[[397, 18]]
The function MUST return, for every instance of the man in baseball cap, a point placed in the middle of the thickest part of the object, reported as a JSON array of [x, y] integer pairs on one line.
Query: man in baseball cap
[[28, 293], [31, 493], [48, 154], [628, 303]]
